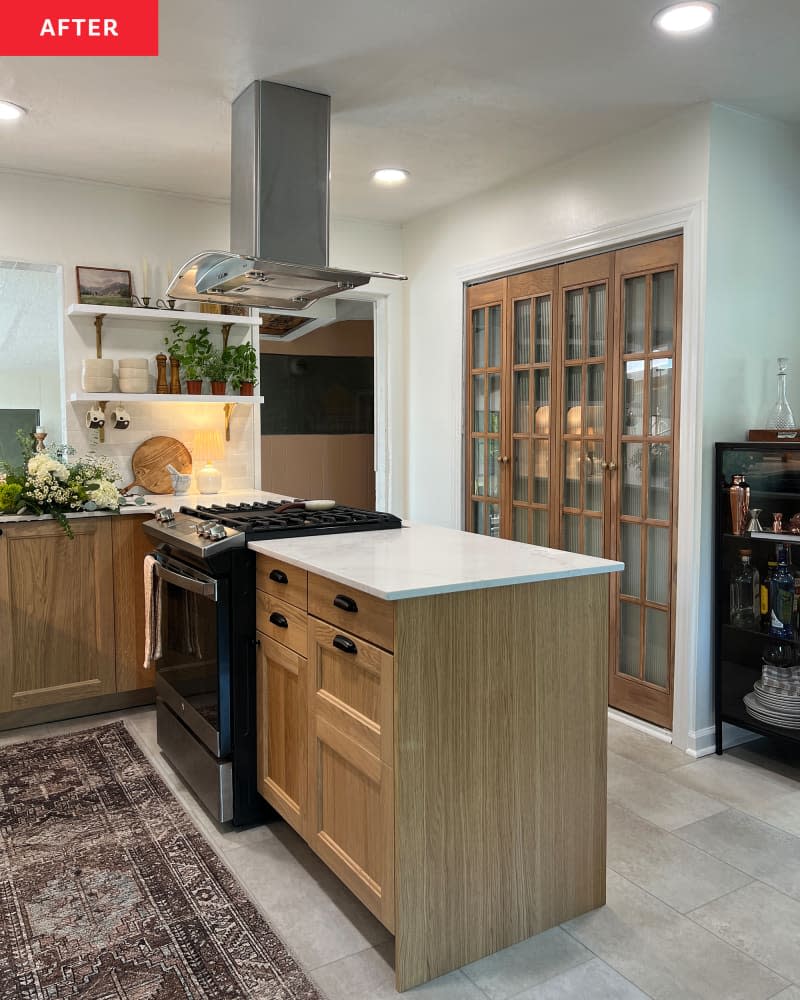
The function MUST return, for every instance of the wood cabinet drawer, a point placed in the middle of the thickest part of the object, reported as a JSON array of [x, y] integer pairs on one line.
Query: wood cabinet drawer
[[351, 685], [353, 610], [282, 622], [286, 582]]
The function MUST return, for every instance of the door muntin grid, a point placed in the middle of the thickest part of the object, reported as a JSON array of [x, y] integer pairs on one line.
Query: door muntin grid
[[646, 476], [531, 418], [583, 418], [485, 414]]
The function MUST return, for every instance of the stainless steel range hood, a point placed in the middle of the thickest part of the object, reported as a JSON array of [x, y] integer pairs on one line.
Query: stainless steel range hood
[[280, 168]]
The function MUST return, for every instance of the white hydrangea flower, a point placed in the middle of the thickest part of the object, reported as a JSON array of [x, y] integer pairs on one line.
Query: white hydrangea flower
[[42, 466], [106, 496]]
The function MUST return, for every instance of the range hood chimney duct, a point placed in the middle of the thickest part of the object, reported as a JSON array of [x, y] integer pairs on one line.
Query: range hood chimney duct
[[280, 208]]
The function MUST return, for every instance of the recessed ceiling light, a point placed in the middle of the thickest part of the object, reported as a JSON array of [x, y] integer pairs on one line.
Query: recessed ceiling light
[[685, 18], [10, 112], [390, 175]]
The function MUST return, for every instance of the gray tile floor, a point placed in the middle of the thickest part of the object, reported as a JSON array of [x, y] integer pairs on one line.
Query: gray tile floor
[[703, 888]]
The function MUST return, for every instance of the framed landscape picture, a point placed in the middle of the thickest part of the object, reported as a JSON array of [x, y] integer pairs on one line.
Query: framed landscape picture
[[103, 286]]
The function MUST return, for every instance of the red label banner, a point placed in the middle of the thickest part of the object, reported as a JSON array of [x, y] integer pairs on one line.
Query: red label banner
[[75, 28]]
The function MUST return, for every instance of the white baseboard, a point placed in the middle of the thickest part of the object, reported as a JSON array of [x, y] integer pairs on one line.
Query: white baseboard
[[639, 724], [703, 741]]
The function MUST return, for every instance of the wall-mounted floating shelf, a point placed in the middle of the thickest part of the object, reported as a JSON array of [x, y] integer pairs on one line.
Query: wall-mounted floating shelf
[[102, 314], [160, 397]]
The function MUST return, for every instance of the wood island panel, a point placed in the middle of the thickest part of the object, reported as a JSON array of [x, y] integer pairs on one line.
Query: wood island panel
[[500, 767]]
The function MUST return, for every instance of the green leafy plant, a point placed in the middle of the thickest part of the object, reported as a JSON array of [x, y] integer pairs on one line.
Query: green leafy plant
[[217, 365], [244, 365], [191, 352], [48, 483]]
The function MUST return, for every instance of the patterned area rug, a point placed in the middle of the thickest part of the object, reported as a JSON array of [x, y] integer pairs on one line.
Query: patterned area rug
[[108, 892]]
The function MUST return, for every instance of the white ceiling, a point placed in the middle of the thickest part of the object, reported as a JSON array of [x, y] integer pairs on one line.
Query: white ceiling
[[463, 93]]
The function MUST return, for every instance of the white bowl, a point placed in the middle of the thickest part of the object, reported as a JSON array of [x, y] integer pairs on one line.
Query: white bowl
[[135, 364]]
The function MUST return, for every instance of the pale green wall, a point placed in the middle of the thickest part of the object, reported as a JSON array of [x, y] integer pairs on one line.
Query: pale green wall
[[752, 309]]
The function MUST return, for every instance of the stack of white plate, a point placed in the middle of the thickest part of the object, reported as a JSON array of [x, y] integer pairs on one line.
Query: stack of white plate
[[769, 704], [134, 375], [97, 375]]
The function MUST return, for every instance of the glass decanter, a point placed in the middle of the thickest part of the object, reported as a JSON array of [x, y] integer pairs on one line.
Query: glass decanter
[[781, 417]]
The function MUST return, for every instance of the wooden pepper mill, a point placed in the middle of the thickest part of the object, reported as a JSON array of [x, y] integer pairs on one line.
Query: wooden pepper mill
[[161, 384], [174, 375]]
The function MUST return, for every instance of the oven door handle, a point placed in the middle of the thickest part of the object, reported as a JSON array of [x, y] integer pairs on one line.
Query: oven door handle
[[206, 588]]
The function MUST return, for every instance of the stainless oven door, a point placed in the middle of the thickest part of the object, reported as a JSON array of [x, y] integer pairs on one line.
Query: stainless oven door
[[192, 674]]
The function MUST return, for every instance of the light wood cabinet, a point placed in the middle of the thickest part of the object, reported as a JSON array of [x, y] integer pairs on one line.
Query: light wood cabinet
[[56, 613], [282, 730], [130, 545], [350, 764], [457, 784]]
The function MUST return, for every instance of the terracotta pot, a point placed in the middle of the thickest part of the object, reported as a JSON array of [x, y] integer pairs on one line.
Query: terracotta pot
[[246, 389], [194, 386], [218, 388]]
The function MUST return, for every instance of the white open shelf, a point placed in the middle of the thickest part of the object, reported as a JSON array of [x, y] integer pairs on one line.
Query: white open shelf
[[773, 536], [159, 397], [150, 315]]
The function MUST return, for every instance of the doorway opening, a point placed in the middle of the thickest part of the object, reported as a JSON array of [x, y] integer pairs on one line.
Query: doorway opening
[[318, 415]]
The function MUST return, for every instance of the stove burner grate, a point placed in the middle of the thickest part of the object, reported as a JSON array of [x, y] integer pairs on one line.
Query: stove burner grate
[[259, 521]]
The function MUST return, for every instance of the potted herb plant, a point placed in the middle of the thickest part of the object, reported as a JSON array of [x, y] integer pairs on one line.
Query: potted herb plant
[[217, 369], [244, 365], [191, 352]]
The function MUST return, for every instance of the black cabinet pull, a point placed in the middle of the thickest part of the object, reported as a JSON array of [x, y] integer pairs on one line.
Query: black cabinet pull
[[278, 619], [344, 603], [278, 576], [346, 645]]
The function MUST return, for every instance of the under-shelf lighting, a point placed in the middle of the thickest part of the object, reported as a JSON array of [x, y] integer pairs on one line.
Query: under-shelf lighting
[[11, 112], [686, 18]]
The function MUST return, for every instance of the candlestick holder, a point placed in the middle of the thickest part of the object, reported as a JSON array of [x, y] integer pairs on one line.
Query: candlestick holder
[[141, 303]]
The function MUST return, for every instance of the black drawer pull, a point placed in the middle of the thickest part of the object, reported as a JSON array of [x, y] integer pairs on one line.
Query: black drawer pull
[[278, 619], [278, 576], [344, 603], [346, 645]]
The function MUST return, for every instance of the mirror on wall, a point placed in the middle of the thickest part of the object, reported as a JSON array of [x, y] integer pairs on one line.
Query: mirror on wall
[[31, 386]]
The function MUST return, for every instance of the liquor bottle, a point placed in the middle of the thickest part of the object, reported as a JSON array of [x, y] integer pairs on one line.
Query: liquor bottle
[[781, 593], [766, 583], [745, 593]]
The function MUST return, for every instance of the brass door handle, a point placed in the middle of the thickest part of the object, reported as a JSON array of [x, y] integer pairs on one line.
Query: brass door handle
[[612, 466], [503, 459]]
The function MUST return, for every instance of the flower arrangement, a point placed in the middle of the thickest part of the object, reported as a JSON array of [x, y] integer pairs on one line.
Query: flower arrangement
[[52, 482]]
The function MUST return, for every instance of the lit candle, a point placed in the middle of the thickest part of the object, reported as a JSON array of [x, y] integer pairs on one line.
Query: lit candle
[[145, 277]]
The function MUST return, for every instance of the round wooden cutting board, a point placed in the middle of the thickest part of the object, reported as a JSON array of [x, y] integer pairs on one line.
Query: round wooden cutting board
[[150, 461]]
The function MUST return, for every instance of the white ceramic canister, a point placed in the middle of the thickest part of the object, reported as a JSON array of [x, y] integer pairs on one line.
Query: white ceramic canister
[[97, 375]]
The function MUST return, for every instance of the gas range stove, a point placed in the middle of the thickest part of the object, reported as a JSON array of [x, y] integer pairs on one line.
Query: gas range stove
[[205, 531]]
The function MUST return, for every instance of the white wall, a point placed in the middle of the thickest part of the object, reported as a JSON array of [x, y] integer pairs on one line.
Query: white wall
[[652, 171], [753, 267], [69, 222]]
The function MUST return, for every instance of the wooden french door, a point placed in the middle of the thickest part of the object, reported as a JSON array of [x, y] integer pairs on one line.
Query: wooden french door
[[647, 324], [572, 413]]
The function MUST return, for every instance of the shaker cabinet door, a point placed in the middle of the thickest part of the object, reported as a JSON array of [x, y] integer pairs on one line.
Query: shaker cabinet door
[[56, 613], [282, 730]]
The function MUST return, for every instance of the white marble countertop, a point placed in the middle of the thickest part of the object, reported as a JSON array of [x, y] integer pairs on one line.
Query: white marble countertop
[[420, 559]]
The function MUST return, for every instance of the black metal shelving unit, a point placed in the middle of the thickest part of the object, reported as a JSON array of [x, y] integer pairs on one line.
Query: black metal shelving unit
[[772, 471]]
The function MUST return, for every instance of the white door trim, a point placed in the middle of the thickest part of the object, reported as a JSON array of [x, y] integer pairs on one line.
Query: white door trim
[[690, 219]]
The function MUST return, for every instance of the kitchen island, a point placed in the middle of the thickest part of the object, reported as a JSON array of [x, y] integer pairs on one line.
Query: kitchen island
[[432, 721]]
